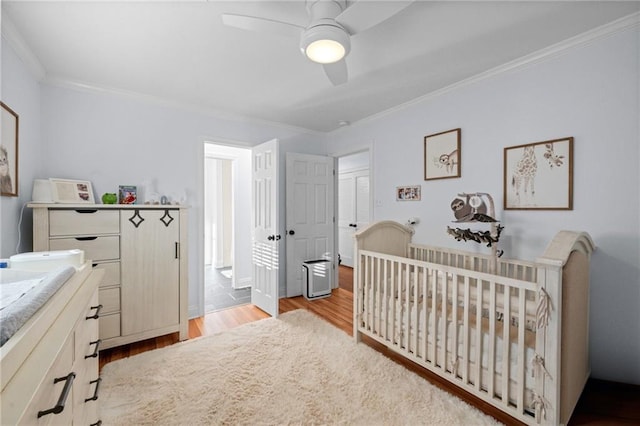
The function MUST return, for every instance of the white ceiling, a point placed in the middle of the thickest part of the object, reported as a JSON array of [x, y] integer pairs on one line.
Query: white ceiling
[[179, 51]]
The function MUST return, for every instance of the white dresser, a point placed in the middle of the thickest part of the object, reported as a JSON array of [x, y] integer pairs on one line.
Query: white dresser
[[143, 251], [50, 365]]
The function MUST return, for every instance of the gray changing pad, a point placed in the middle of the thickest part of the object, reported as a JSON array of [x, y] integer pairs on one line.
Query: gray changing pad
[[13, 316]]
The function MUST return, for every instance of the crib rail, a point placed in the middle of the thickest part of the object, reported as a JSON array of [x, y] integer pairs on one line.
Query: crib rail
[[444, 311], [512, 268]]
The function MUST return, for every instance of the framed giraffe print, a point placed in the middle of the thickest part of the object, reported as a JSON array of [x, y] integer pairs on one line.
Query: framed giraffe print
[[539, 176]]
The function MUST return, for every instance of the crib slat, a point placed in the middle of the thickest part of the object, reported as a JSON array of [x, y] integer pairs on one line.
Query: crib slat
[[443, 323], [406, 329], [522, 298], [466, 332], [492, 337], [394, 295], [416, 304], [372, 294], [424, 304], [434, 317], [365, 291], [478, 346], [506, 343], [454, 322], [377, 284], [385, 297]]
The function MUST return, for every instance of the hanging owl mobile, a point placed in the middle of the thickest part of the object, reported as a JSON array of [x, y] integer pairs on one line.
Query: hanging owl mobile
[[472, 208]]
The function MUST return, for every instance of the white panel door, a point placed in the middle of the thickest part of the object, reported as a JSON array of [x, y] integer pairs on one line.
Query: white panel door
[[310, 218], [353, 210], [264, 223]]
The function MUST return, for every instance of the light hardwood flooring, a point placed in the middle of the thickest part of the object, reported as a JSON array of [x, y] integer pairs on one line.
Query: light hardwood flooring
[[602, 403]]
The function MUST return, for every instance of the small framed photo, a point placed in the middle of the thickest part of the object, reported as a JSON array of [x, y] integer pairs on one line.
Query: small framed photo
[[71, 191], [127, 194], [408, 193], [539, 176], [8, 152], [442, 155]]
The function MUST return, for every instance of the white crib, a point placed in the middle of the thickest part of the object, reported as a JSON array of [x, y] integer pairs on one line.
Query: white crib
[[512, 333]]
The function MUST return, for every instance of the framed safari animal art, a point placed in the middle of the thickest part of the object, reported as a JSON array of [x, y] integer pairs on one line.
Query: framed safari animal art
[[8, 152], [539, 176], [442, 155]]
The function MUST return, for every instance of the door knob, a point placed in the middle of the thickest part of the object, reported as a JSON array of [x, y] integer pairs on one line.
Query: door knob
[[271, 237], [291, 232]]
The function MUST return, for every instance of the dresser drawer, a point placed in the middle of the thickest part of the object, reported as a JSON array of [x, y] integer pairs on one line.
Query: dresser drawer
[[109, 326], [110, 300], [86, 330], [83, 222], [48, 393], [111, 273], [95, 248]]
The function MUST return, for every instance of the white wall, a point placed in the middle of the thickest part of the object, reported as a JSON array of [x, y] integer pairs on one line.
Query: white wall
[[21, 92], [114, 140], [589, 92]]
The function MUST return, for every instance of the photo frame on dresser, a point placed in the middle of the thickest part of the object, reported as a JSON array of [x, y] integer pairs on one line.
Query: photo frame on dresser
[[539, 176], [8, 151], [71, 191]]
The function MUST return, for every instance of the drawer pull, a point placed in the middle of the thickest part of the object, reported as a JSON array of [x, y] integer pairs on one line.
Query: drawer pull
[[86, 238], [63, 396], [97, 314], [98, 423], [95, 393], [86, 210], [177, 250], [96, 350]]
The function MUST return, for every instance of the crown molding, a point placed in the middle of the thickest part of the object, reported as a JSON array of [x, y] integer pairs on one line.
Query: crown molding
[[11, 34], [541, 55], [157, 100]]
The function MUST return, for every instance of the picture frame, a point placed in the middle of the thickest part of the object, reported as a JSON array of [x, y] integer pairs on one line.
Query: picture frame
[[127, 194], [9, 126], [442, 155], [408, 193], [71, 191], [539, 176]]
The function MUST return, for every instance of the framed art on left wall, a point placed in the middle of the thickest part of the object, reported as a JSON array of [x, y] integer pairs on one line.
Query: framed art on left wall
[[8, 152]]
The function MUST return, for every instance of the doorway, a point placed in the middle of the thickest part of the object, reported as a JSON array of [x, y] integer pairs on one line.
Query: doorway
[[354, 209], [227, 201]]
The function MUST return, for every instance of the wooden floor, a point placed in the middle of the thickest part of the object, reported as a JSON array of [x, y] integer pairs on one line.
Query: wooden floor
[[602, 403]]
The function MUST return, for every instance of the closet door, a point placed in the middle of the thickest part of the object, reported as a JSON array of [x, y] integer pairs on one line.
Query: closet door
[[150, 269], [353, 210]]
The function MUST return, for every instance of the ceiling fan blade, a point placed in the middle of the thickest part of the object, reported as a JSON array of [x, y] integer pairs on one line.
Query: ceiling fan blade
[[337, 72], [264, 25], [366, 14]]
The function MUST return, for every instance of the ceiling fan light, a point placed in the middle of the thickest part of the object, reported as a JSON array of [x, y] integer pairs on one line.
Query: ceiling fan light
[[325, 44], [325, 51]]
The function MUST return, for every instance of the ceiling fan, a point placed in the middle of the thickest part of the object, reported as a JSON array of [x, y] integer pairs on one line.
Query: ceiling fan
[[326, 39]]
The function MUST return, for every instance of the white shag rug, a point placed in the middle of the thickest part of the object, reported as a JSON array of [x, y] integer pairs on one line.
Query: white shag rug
[[297, 369]]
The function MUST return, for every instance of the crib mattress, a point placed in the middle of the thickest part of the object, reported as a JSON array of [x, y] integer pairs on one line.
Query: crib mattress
[[391, 331]]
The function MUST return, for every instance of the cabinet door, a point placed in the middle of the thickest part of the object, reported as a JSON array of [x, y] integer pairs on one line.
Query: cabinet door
[[150, 292]]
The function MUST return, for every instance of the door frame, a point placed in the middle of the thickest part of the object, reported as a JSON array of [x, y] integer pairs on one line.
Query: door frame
[[196, 215], [336, 155]]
